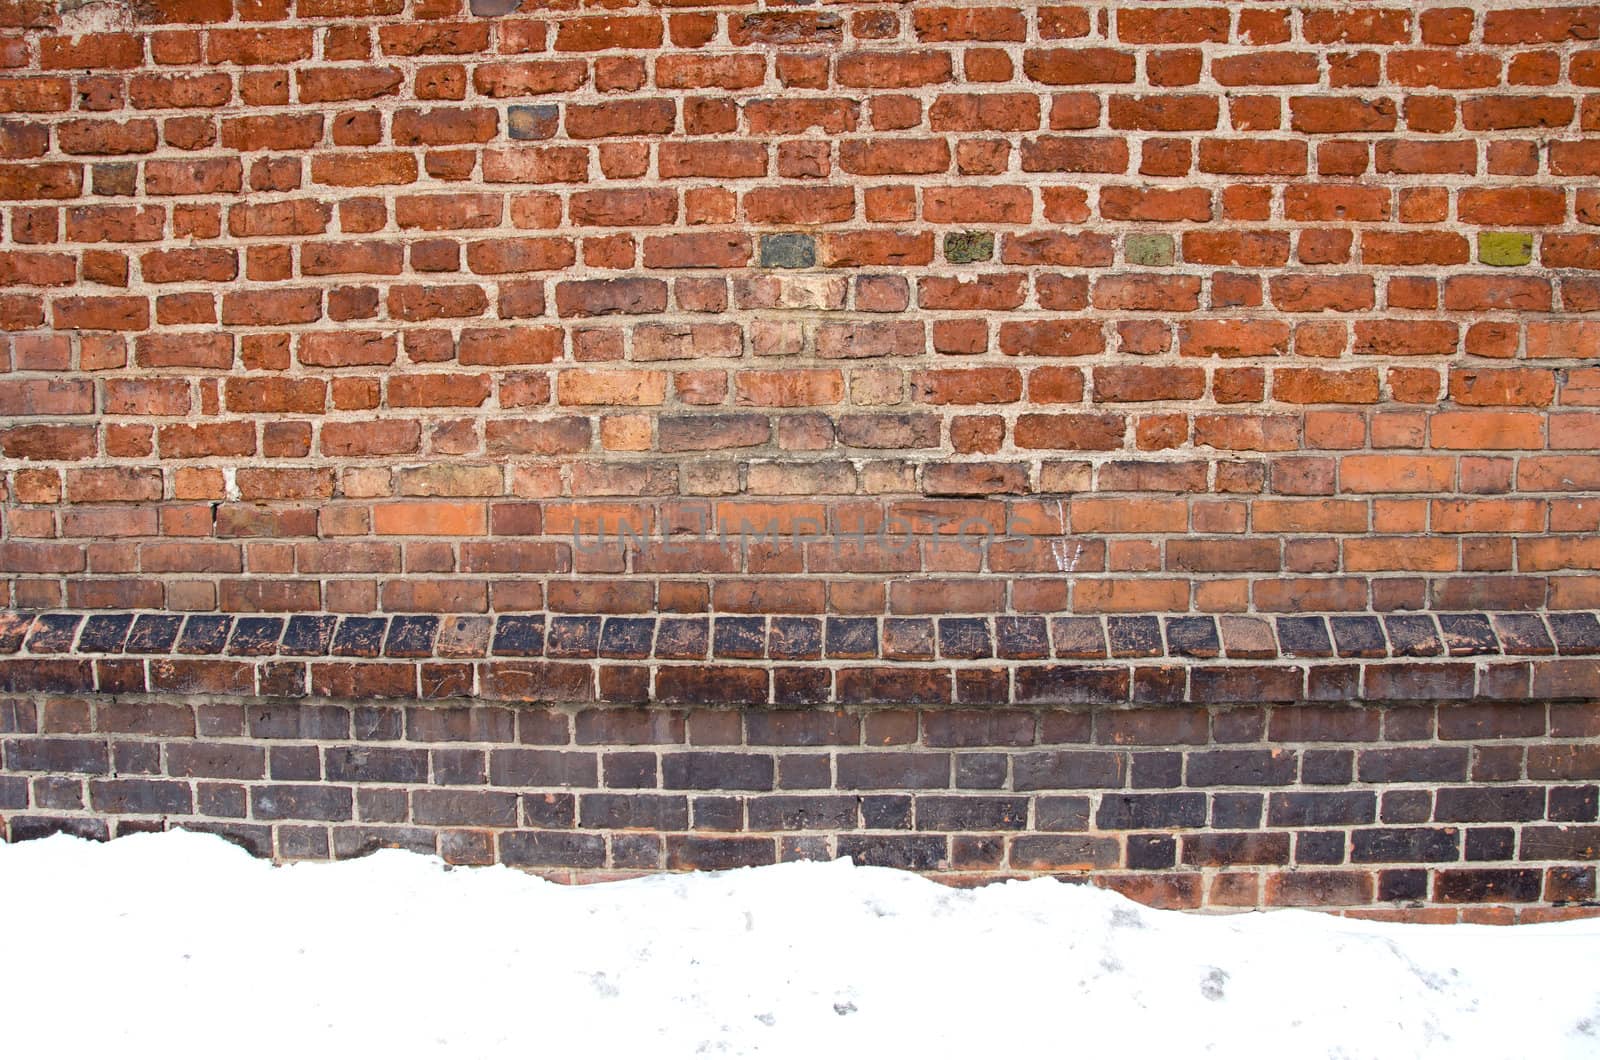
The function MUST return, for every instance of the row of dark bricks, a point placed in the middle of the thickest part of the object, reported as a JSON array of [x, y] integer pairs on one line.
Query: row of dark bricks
[[82, 653], [1405, 635], [1062, 788], [1513, 771], [1488, 762], [298, 793], [555, 681], [842, 817], [1133, 727], [1151, 870]]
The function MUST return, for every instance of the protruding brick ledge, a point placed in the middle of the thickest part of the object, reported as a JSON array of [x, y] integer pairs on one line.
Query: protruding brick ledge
[[800, 660]]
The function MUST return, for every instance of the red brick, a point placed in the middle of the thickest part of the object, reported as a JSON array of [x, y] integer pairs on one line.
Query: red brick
[[487, 360]]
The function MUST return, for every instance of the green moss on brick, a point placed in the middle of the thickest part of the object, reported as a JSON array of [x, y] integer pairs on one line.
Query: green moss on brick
[[788, 250], [1154, 249], [1505, 248], [961, 248]]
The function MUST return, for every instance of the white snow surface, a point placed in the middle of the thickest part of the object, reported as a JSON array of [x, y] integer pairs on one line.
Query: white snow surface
[[180, 944]]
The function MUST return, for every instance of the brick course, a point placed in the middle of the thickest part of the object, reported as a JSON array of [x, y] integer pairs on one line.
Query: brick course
[[1058, 356], [801, 660]]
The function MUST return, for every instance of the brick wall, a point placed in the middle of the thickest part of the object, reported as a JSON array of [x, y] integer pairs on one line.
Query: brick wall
[[1078, 358], [1416, 812], [356, 309]]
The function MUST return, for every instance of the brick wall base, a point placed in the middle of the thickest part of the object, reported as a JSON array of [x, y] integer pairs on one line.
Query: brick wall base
[[1474, 810]]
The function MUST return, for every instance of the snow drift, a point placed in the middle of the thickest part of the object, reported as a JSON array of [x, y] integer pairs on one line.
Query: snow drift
[[180, 944]]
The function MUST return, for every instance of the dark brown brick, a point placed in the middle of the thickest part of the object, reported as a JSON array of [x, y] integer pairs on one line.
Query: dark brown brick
[[1319, 888], [1223, 849], [1241, 768], [149, 719], [624, 726], [1063, 685], [1247, 684], [1560, 843], [1405, 681], [537, 849], [717, 770], [1317, 724], [1405, 845], [1068, 770], [520, 768], [1177, 810], [1489, 803], [1064, 853], [894, 771], [783, 813], [978, 728], [394, 765], [357, 841], [1487, 885], [202, 676], [1158, 727], [141, 796], [711, 684], [452, 724], [1491, 721], [305, 802], [1412, 764], [869, 685], [914, 852], [1302, 808], [57, 756], [704, 852], [484, 809], [970, 813], [224, 760], [1564, 761], [537, 681], [274, 721], [801, 728]]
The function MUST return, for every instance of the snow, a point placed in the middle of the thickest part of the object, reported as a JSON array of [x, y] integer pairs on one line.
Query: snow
[[179, 944]]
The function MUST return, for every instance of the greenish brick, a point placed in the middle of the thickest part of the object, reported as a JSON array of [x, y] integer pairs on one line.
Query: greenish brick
[[788, 250], [1505, 248], [1154, 249], [537, 122], [961, 248]]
